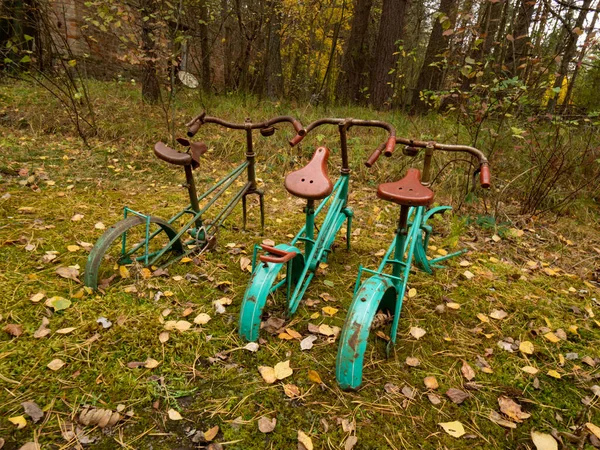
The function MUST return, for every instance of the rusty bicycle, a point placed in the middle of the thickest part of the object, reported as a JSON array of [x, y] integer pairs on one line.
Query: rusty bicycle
[[148, 240]]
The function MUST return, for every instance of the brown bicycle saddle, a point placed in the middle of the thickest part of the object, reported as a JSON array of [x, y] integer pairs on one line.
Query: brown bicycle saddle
[[408, 191], [311, 182], [171, 156]]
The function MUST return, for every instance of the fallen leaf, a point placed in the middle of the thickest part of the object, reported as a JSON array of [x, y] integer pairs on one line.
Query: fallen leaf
[[412, 292], [163, 337], [70, 273], [35, 298], [210, 434], [28, 446], [291, 390], [498, 419], [594, 429], [467, 371], [417, 332], [251, 347], [146, 273], [431, 382], [103, 418], [530, 370], [202, 319], [308, 342], [589, 361], [266, 425], [55, 364], [268, 374], [104, 322], [282, 370], [151, 363], [408, 392], [434, 398], [73, 248], [468, 274], [57, 303], [65, 330], [456, 395], [33, 411], [554, 374], [245, 264], [19, 421], [99, 226], [483, 318], [454, 429], [543, 441], [552, 337], [77, 217], [174, 415], [526, 347], [314, 376], [179, 325], [124, 272], [305, 440], [512, 409], [350, 442], [43, 330], [412, 362], [293, 333], [498, 314], [453, 305], [329, 310], [13, 329]]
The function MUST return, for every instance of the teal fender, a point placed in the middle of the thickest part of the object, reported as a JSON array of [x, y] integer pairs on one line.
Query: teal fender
[[377, 292], [258, 290]]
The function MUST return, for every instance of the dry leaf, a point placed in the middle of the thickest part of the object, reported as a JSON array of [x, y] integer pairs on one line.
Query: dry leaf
[[453, 305], [498, 419], [512, 409], [151, 363], [268, 374], [70, 273], [456, 395], [467, 371], [33, 411], [526, 347], [434, 398], [266, 425], [201, 319], [77, 217], [412, 362], [417, 332], [179, 325], [314, 376], [174, 415], [305, 440], [163, 337], [468, 274], [245, 263], [282, 370], [73, 248], [99, 226], [57, 303], [543, 441], [454, 429], [412, 292], [530, 370], [251, 347], [293, 333], [210, 434], [14, 329], [552, 337], [329, 310], [19, 421], [291, 390], [99, 417], [35, 298], [483, 317], [554, 374], [308, 342], [593, 428], [43, 330], [55, 364], [498, 314], [350, 442], [431, 382], [65, 330]]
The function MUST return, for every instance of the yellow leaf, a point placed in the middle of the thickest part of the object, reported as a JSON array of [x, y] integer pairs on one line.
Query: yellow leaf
[[453, 305], [282, 370], [543, 441], [201, 319], [65, 330], [186, 260], [483, 317], [124, 272], [19, 421], [526, 347], [530, 370], [146, 273], [209, 435], [305, 440], [454, 429], [412, 292], [442, 252], [151, 363], [554, 374], [593, 428], [552, 337], [268, 374], [174, 415], [314, 376], [329, 310], [55, 364], [316, 315], [37, 297], [73, 248]]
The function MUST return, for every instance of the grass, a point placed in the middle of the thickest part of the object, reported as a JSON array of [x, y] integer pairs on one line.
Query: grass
[[203, 373]]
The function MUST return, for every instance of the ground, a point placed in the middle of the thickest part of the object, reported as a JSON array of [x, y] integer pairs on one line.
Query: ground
[[524, 327]]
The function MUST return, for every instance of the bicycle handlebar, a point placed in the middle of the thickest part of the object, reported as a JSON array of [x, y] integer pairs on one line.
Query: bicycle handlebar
[[388, 145], [195, 124]]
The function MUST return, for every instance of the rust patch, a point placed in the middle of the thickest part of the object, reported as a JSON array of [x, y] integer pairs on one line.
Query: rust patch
[[353, 341]]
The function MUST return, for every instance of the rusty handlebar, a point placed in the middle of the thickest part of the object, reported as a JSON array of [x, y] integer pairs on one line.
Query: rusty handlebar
[[266, 127]]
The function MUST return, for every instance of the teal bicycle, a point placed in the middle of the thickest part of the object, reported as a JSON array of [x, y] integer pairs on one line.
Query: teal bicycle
[[310, 183], [385, 289]]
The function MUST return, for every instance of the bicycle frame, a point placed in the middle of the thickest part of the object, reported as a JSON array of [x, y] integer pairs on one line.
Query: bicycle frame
[[302, 267], [385, 291]]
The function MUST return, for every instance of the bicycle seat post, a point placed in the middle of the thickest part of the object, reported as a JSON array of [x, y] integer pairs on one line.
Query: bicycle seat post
[[190, 184], [251, 171], [343, 128]]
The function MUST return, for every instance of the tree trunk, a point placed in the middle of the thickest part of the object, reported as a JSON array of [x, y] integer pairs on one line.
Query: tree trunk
[[520, 46], [273, 80], [150, 85], [431, 75], [390, 31], [349, 84], [204, 47], [569, 52]]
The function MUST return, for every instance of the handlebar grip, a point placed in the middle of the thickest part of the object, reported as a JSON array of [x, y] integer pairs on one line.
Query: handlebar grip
[[281, 256], [484, 176], [375, 155], [298, 127], [193, 128], [389, 146], [296, 139]]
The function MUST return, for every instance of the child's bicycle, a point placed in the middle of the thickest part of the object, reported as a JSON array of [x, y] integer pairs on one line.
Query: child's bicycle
[[146, 239], [310, 183], [384, 291]]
